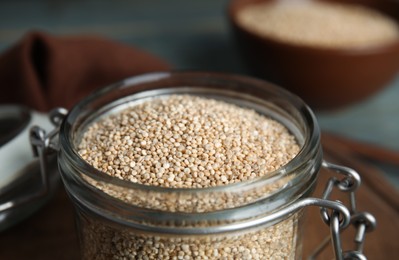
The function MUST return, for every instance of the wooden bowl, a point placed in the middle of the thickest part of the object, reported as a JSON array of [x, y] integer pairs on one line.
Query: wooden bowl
[[324, 78]]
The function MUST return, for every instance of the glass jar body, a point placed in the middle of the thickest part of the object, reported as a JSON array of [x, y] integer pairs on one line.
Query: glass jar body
[[122, 220]]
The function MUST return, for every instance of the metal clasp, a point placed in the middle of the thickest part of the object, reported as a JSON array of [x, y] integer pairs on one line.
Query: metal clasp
[[43, 144], [362, 221]]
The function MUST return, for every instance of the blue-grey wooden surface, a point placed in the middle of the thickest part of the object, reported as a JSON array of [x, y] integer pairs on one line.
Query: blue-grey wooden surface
[[189, 34]]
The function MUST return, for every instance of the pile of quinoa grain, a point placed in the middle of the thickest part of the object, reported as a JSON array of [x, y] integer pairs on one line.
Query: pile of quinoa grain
[[185, 141], [320, 24]]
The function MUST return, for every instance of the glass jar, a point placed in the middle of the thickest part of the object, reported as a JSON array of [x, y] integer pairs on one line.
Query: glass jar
[[255, 219]]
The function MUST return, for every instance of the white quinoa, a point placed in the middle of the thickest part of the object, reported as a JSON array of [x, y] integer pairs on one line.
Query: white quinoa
[[184, 141], [187, 142], [320, 24]]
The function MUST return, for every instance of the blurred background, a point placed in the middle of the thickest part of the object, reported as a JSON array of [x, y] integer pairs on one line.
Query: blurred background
[[189, 34]]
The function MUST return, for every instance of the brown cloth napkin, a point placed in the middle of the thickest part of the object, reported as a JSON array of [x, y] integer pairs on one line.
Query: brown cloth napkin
[[43, 71]]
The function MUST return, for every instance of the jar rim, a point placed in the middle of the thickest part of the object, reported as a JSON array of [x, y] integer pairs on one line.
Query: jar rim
[[311, 140]]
